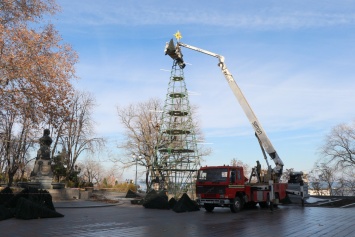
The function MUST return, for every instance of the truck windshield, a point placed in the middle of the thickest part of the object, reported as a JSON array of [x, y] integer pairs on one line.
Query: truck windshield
[[213, 175]]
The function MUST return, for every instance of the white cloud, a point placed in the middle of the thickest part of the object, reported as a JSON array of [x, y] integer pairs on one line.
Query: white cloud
[[268, 15]]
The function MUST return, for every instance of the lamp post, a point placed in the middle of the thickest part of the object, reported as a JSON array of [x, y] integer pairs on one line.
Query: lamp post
[[89, 175], [136, 159]]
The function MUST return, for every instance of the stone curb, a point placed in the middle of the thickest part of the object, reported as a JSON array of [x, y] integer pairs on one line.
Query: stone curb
[[83, 205]]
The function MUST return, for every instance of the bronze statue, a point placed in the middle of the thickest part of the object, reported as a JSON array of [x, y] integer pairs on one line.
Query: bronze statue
[[44, 151], [42, 165]]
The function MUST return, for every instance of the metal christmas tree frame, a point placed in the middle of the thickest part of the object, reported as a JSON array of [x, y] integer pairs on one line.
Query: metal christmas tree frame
[[177, 155]]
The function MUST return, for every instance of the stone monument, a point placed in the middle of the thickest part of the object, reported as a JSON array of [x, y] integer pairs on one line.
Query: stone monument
[[42, 174]]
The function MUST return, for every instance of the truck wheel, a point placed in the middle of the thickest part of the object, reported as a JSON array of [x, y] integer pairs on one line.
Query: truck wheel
[[208, 207], [237, 205]]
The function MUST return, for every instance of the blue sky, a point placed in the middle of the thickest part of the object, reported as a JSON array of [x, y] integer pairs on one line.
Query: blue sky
[[293, 60]]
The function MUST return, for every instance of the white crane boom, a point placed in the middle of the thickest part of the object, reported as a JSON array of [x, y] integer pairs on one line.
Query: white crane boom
[[259, 131]]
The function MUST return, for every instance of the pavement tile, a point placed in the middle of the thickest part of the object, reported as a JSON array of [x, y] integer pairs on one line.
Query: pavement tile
[[84, 219]]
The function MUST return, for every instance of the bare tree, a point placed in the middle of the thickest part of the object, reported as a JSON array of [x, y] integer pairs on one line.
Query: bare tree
[[340, 188], [246, 167], [111, 177], [77, 135], [141, 123], [142, 138], [316, 186], [17, 137], [339, 145], [347, 182], [92, 171], [323, 178], [24, 171]]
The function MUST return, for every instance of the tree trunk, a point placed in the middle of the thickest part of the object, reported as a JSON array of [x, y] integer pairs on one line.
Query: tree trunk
[[147, 179], [22, 175], [11, 178]]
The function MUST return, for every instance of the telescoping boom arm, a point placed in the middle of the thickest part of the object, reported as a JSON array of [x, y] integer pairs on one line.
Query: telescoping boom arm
[[259, 131]]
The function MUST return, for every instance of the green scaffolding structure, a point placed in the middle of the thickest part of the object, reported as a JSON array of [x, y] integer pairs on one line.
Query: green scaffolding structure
[[177, 155]]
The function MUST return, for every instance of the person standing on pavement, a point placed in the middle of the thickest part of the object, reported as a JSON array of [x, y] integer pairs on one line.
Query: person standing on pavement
[[258, 170]]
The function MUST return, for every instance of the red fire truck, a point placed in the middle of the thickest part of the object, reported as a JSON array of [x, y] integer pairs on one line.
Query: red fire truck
[[227, 186]]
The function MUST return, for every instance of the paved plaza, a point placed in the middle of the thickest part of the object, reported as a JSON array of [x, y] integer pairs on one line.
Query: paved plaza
[[86, 218]]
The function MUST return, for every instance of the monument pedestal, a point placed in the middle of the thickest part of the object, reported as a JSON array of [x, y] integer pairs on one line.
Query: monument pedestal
[[33, 184], [43, 182], [42, 174], [56, 185]]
